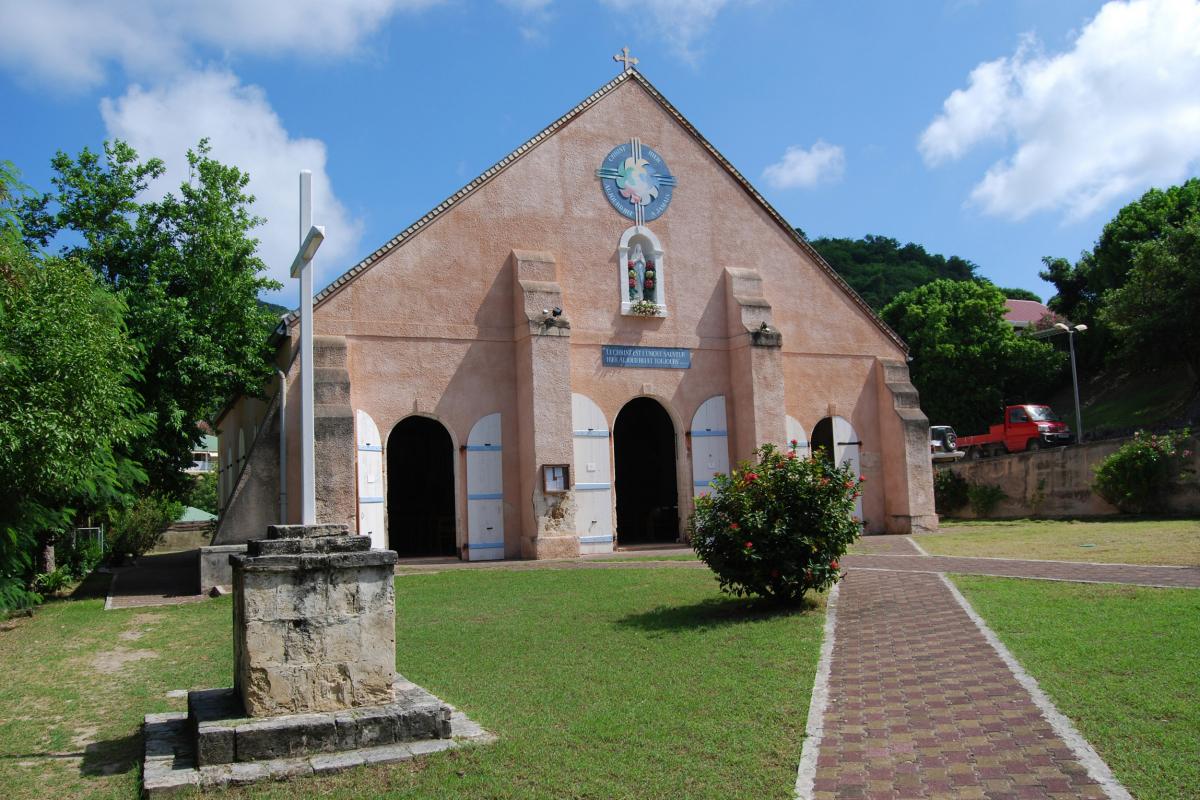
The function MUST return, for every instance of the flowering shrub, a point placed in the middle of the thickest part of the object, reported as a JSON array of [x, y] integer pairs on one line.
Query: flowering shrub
[[777, 527], [1137, 477]]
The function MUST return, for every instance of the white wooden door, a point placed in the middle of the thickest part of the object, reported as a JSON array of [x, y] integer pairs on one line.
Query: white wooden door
[[710, 443], [592, 476], [485, 491], [795, 432], [370, 481], [845, 451]]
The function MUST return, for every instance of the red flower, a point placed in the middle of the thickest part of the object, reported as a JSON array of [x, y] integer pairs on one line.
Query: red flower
[[833, 564], [632, 282], [794, 443], [751, 477], [824, 481], [733, 526], [749, 545], [792, 456], [849, 484], [862, 478], [649, 283]]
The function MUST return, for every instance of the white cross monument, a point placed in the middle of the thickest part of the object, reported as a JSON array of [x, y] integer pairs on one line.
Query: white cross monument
[[311, 237]]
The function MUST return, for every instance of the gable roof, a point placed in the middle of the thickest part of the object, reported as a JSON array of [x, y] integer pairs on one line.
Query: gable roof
[[629, 75]]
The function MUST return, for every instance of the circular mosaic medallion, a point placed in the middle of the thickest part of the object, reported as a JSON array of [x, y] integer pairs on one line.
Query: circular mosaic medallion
[[636, 181]]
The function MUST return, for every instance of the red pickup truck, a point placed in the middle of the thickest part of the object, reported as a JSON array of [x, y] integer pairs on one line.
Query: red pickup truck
[[1026, 427]]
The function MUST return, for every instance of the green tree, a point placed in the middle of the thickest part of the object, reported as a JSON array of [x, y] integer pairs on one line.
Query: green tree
[[879, 267], [67, 410], [966, 360], [1082, 287], [1153, 316], [187, 269], [204, 492]]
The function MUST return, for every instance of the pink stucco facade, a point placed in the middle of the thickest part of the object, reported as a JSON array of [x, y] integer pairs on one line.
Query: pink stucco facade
[[446, 322]]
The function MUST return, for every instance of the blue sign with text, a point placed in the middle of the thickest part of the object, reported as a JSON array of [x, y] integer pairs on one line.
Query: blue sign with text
[[625, 355]]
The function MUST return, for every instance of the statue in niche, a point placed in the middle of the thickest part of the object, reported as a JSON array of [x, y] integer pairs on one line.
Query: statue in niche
[[642, 276]]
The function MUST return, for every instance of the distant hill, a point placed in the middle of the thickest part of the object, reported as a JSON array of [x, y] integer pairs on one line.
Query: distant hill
[[879, 267], [274, 308]]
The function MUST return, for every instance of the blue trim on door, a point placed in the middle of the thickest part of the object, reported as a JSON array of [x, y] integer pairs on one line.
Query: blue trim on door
[[592, 487], [591, 433], [362, 500], [486, 496], [474, 448], [702, 483], [484, 545], [710, 433], [370, 448], [595, 539]]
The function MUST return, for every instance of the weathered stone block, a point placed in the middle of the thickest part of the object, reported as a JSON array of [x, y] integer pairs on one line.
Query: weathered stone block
[[285, 737], [306, 531]]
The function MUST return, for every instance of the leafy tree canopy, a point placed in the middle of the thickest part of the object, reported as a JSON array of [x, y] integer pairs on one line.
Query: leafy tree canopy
[[187, 269], [1153, 315], [967, 362], [1086, 287], [67, 409], [879, 267]]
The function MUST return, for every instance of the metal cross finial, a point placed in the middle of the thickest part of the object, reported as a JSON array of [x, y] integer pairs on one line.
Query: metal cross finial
[[624, 56]]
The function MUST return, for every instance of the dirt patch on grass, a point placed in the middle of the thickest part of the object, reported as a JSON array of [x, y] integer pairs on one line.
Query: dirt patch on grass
[[146, 619], [114, 660]]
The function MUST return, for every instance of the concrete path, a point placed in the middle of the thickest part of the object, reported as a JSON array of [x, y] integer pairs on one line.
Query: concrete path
[[916, 699]]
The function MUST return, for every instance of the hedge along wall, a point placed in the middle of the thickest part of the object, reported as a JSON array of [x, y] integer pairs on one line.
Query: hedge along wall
[[1058, 482]]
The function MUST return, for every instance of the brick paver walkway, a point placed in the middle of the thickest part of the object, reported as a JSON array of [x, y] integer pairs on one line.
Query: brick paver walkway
[[920, 705], [1180, 577]]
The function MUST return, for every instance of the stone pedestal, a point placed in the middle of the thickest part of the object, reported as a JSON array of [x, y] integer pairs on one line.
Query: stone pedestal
[[314, 621], [315, 683]]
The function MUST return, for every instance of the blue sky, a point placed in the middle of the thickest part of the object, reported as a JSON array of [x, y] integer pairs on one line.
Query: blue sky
[[997, 131]]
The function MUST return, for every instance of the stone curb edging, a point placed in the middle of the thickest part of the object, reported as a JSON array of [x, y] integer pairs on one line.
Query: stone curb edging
[[814, 729], [1097, 769]]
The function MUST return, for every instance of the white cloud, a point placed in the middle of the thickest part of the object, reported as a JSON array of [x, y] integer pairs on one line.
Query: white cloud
[[1117, 113], [245, 132], [72, 43], [680, 22], [803, 169]]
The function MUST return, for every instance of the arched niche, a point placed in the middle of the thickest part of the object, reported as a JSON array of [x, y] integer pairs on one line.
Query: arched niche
[[653, 251]]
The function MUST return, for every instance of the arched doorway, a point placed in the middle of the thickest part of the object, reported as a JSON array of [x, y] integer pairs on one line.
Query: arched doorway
[[420, 489], [838, 443], [647, 493]]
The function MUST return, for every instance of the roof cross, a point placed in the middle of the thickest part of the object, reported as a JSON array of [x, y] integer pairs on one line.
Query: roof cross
[[628, 60]]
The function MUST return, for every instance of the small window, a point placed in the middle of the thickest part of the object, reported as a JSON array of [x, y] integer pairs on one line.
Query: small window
[[1018, 415]]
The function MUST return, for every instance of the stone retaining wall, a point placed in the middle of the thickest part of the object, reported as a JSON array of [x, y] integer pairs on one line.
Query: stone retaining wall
[[1058, 482]]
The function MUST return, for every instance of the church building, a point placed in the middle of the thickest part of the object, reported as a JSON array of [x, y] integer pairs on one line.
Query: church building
[[557, 359]]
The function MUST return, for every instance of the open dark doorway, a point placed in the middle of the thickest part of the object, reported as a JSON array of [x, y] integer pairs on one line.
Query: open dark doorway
[[420, 489], [647, 494], [822, 439]]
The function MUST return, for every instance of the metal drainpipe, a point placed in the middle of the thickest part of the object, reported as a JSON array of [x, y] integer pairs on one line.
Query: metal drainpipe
[[283, 476]]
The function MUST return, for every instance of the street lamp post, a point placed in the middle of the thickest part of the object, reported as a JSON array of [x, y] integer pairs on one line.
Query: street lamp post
[[311, 237], [1071, 331]]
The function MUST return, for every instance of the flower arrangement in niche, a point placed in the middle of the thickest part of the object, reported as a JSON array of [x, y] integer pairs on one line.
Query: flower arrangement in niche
[[778, 526], [644, 308], [649, 282]]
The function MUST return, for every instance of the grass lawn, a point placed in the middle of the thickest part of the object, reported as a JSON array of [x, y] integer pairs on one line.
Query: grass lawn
[[1120, 541], [1119, 661], [604, 683]]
